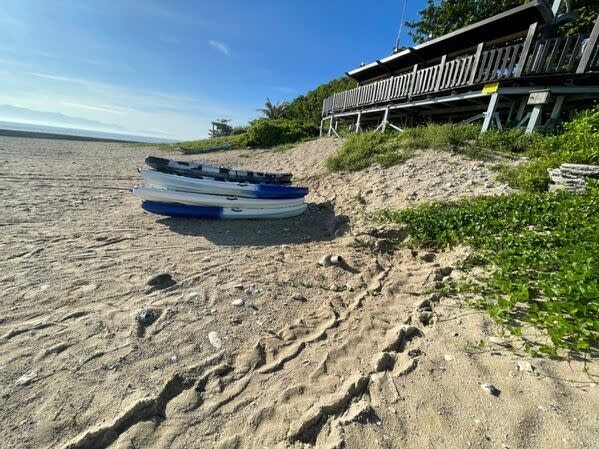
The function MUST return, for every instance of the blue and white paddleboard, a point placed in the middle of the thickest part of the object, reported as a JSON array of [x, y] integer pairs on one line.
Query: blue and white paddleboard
[[226, 188], [220, 213], [202, 199]]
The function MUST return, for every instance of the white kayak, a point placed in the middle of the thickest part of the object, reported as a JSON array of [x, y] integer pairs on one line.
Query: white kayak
[[226, 188], [220, 213], [201, 199]]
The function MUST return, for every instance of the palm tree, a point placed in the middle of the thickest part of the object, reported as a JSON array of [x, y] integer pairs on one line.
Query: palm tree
[[274, 111]]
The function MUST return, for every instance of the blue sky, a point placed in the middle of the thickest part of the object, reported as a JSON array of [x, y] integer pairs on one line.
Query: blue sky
[[169, 67]]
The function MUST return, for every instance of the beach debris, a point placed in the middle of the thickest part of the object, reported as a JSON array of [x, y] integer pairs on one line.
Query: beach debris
[[161, 281], [337, 260], [350, 288], [526, 367], [239, 286], [193, 295], [491, 389], [298, 297], [238, 303], [174, 358], [147, 316], [448, 357], [26, 379], [215, 340], [325, 261]]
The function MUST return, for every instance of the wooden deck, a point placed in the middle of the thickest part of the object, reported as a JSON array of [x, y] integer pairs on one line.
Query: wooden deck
[[528, 61]]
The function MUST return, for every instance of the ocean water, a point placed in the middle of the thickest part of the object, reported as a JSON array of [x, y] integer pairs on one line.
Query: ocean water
[[29, 127]]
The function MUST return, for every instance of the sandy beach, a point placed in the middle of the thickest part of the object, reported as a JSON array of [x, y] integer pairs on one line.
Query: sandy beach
[[358, 355]]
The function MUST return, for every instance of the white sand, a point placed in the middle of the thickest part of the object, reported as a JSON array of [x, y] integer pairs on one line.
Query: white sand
[[336, 370]]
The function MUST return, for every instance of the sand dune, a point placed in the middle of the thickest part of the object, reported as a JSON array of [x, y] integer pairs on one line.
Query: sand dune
[[360, 355]]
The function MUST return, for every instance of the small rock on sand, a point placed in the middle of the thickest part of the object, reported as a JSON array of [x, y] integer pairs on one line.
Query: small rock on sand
[[526, 367], [238, 303], [26, 379], [162, 280], [215, 340], [298, 297], [147, 316], [491, 389], [193, 295]]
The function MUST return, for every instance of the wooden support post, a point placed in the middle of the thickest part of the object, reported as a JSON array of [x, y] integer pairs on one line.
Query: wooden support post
[[509, 115], [589, 49], [358, 121], [385, 119], [331, 126], [321, 126], [521, 108], [532, 29], [440, 73], [534, 119], [479, 51], [413, 80], [490, 113], [557, 108], [555, 112]]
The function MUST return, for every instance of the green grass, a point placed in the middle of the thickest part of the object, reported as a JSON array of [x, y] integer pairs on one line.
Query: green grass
[[365, 149], [577, 143], [540, 254]]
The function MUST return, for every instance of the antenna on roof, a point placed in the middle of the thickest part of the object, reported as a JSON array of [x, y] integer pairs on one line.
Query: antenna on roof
[[398, 41]]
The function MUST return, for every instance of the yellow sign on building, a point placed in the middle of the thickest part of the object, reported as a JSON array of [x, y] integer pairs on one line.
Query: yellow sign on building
[[490, 88]]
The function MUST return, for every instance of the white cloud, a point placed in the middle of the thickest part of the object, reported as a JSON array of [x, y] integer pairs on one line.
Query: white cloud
[[219, 46]]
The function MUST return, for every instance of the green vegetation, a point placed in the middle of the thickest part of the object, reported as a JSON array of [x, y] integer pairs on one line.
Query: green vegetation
[[540, 253], [442, 17], [270, 133], [577, 143], [308, 108], [236, 141], [364, 149], [274, 111]]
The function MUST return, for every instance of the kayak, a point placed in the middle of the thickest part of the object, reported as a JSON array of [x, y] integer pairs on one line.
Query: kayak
[[201, 199], [227, 188], [220, 213], [198, 170]]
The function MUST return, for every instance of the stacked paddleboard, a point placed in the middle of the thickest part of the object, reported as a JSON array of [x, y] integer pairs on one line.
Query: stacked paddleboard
[[190, 189]]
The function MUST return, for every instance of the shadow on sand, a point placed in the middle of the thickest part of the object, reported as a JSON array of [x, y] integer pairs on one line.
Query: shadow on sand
[[317, 223]]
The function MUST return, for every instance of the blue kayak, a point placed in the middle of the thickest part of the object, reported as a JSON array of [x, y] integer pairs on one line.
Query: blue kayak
[[220, 213]]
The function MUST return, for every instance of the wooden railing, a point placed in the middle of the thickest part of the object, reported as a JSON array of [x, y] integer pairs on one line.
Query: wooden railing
[[546, 56]]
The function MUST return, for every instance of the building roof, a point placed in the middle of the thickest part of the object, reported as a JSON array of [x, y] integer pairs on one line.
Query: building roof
[[504, 24]]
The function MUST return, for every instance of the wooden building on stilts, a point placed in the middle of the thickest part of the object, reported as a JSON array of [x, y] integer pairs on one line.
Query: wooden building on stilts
[[512, 70]]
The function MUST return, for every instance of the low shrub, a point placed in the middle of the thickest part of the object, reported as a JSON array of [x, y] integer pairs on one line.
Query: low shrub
[[578, 143], [364, 149], [540, 253], [202, 144], [270, 133]]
